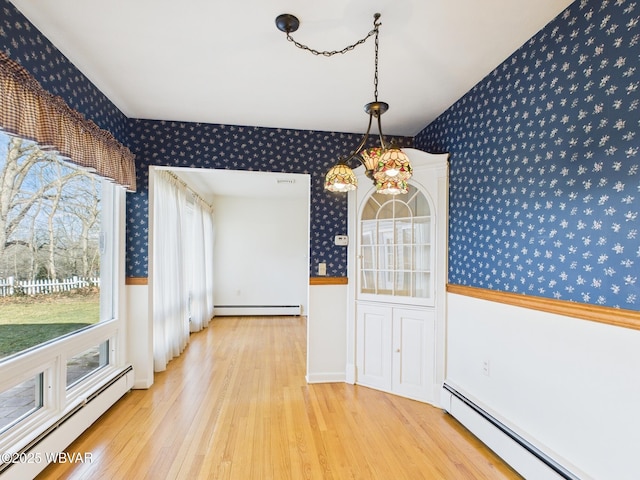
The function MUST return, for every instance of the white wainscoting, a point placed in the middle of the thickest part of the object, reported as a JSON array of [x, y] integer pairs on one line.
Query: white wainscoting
[[139, 335], [567, 386], [326, 333]]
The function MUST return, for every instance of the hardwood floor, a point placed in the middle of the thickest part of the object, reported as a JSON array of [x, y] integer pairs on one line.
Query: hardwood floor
[[235, 405]]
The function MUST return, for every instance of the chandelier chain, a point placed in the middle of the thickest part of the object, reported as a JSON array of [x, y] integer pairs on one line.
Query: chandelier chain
[[348, 48], [375, 75]]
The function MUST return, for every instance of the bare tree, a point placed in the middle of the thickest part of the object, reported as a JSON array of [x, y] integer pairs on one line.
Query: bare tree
[[82, 228], [36, 185], [51, 247], [14, 207], [89, 216]]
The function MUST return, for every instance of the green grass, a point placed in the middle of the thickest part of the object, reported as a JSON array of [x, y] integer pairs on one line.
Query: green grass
[[29, 321]]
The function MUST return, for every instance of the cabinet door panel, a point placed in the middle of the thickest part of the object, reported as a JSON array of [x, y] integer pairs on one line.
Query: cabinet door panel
[[413, 361], [374, 346]]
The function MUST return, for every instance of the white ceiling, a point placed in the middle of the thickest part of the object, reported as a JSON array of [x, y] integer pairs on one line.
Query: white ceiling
[[224, 61]]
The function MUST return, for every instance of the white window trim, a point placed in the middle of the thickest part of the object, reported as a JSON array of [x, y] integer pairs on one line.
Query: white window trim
[[391, 298], [51, 358]]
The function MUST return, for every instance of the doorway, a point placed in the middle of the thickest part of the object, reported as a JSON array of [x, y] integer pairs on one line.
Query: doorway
[[261, 237]]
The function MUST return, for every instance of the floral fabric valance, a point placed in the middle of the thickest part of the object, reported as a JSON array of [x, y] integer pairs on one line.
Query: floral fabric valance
[[27, 110]]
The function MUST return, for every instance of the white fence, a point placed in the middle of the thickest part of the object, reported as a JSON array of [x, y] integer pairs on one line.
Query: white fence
[[10, 286]]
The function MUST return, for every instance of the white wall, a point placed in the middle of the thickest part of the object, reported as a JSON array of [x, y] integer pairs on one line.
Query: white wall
[[261, 251], [327, 333], [570, 386], [139, 335]]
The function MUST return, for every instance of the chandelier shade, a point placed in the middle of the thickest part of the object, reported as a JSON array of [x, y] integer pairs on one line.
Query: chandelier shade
[[340, 178], [388, 167], [392, 187], [371, 158], [393, 165]]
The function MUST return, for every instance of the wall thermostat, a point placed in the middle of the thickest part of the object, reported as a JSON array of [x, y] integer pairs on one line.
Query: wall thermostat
[[342, 240]]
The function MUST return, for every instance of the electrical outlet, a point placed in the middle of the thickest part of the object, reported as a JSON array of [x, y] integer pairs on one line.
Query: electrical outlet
[[485, 367], [322, 268]]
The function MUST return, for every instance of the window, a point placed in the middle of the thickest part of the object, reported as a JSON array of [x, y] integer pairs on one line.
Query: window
[[60, 233], [86, 362], [49, 246], [395, 242], [19, 401]]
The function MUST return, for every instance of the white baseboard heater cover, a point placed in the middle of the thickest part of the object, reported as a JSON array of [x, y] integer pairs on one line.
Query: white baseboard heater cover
[[63, 432], [254, 310], [520, 454]]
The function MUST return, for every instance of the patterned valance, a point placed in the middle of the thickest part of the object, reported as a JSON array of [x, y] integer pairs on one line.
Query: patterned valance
[[27, 110]]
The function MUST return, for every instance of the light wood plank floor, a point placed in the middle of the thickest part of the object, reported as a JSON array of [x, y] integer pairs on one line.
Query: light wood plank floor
[[235, 405]]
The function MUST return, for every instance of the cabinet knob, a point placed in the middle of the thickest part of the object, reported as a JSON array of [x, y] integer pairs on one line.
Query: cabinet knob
[[397, 350]]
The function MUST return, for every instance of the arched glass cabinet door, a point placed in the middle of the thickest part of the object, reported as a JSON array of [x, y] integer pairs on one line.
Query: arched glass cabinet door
[[396, 248]]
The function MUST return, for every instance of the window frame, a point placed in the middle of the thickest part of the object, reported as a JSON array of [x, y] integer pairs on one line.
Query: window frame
[[373, 218], [51, 358]]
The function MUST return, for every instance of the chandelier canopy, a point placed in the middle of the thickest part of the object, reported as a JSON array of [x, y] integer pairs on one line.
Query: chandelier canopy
[[386, 165]]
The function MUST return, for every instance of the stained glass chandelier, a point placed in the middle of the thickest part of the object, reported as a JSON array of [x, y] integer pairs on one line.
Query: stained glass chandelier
[[386, 165]]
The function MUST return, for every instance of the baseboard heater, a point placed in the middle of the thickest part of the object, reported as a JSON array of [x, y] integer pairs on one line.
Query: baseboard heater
[[520, 454], [251, 310], [67, 428]]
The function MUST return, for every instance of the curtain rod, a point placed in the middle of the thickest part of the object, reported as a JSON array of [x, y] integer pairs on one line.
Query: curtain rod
[[188, 188]]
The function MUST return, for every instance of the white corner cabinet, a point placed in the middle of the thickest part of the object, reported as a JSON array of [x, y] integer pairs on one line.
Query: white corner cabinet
[[397, 280]]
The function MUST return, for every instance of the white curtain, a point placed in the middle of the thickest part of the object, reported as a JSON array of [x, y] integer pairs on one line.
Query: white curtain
[[182, 267], [210, 236], [202, 270]]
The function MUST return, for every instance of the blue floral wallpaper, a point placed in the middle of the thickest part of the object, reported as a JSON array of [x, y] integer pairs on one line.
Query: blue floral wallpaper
[[243, 148], [544, 159]]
